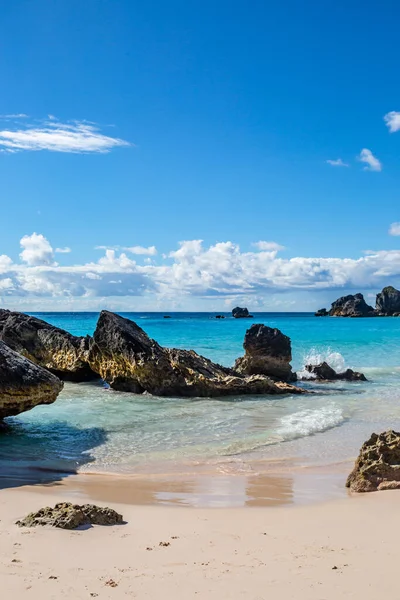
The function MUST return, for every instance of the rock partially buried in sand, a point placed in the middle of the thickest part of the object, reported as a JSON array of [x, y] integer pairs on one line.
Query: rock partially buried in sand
[[323, 372], [267, 352], [129, 360], [378, 464], [70, 516], [60, 352], [24, 385]]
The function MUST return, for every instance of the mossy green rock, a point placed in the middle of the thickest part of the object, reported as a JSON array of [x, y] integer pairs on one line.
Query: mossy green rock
[[378, 464], [70, 516]]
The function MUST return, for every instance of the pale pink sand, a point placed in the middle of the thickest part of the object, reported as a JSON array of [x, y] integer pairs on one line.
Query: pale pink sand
[[251, 553]]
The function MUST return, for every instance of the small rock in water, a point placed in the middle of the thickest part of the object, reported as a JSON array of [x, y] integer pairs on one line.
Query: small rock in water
[[70, 516], [324, 372]]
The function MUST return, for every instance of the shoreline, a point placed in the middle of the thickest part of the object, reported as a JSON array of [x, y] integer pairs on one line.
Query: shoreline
[[276, 483]]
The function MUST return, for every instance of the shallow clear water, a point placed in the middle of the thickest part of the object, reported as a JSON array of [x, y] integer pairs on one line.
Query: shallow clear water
[[90, 428]]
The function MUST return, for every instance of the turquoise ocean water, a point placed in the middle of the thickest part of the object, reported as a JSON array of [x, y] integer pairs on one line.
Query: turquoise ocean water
[[91, 429]]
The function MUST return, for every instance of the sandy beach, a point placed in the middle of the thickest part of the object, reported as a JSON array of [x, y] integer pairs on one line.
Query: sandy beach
[[346, 548]]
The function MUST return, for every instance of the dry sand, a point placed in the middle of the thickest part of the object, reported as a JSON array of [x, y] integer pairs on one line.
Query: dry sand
[[347, 548]]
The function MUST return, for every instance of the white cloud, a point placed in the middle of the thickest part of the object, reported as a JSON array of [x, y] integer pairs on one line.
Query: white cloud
[[36, 250], [5, 263], [392, 120], [373, 164], [192, 271], [268, 246], [337, 163], [394, 229], [74, 137], [65, 250], [14, 116], [150, 251], [6, 284]]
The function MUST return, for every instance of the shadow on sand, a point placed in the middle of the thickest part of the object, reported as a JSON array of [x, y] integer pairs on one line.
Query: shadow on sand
[[33, 453]]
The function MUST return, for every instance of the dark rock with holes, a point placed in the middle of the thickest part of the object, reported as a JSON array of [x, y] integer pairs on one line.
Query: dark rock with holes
[[322, 312], [388, 301], [324, 372], [267, 352], [24, 385], [129, 360], [65, 515], [351, 306], [60, 352], [241, 313], [378, 464]]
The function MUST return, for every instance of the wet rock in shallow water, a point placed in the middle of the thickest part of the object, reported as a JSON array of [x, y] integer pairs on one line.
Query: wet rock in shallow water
[[322, 312], [267, 352], [241, 313], [129, 360], [378, 464], [323, 372], [70, 516], [351, 306], [24, 385], [63, 354]]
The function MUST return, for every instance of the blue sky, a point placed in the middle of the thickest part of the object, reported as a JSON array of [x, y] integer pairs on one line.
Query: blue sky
[[150, 124]]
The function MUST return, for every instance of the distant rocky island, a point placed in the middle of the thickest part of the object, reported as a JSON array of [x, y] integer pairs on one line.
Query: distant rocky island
[[241, 313], [387, 305]]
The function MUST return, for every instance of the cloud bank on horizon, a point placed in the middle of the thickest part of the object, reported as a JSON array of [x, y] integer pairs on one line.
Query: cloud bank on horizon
[[221, 270]]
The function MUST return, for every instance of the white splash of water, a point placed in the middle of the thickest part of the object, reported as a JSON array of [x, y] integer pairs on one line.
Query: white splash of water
[[318, 355]]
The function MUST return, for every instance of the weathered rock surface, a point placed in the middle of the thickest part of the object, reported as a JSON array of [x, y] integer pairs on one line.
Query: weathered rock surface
[[351, 306], [267, 352], [378, 464], [63, 354], [24, 385], [129, 360], [70, 516], [322, 312], [241, 313], [388, 301], [324, 372]]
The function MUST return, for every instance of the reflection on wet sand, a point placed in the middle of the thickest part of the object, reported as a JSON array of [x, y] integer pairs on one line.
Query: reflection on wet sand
[[202, 490]]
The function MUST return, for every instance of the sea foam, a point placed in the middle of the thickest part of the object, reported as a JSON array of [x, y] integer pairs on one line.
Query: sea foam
[[318, 355]]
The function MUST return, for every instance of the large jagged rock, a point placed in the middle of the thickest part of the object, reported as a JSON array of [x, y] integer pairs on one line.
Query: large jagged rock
[[324, 372], [70, 516], [378, 464], [388, 301], [241, 313], [60, 352], [351, 306], [129, 360], [24, 385], [267, 352]]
